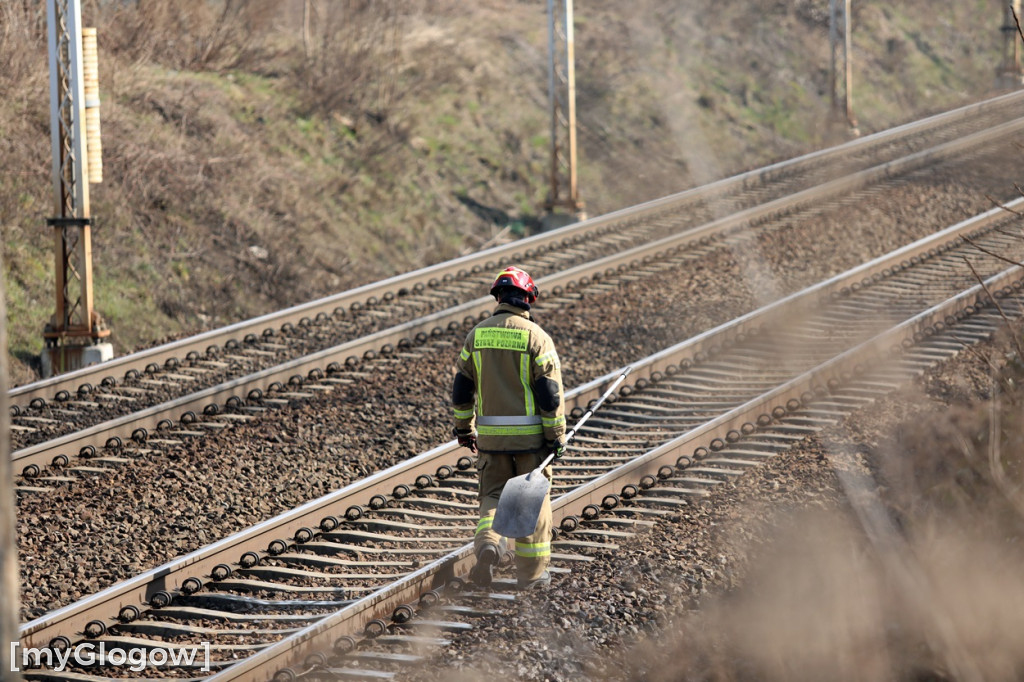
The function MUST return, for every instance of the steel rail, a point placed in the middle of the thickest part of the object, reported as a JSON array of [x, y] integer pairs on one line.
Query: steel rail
[[32, 460], [171, 578], [461, 267], [794, 393]]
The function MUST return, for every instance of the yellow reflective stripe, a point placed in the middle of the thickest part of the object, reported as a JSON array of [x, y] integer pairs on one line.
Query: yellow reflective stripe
[[479, 382], [533, 549], [485, 523], [501, 338], [550, 356], [556, 421], [463, 414], [524, 377], [464, 355], [527, 430]]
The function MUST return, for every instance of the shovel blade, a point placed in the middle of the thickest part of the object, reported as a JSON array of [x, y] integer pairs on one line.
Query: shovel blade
[[520, 503]]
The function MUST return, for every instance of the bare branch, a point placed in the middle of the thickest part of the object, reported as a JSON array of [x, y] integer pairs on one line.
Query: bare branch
[[998, 203], [1016, 19], [1002, 313], [990, 253]]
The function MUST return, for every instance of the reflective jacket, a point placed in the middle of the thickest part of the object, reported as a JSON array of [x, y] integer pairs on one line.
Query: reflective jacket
[[508, 384]]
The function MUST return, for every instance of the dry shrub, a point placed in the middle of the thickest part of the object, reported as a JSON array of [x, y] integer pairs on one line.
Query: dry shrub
[[196, 35], [967, 465], [822, 603], [352, 55], [22, 37]]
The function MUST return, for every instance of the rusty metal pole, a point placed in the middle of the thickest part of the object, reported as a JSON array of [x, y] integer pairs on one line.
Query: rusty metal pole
[[553, 108], [848, 56], [839, 16], [1009, 74], [564, 190], [570, 76], [9, 589], [833, 43], [72, 339]]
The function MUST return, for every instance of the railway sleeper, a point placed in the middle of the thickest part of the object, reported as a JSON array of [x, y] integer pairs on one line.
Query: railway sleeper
[[662, 500], [451, 492], [195, 613], [364, 536], [45, 421], [569, 543], [387, 524], [184, 433], [599, 461], [443, 504], [773, 438], [611, 521], [90, 470], [369, 656], [412, 640], [426, 515], [286, 573], [249, 603], [320, 560], [688, 481], [290, 396], [166, 629], [671, 493], [583, 531], [337, 548], [57, 480], [246, 585], [739, 465], [491, 596], [715, 472]]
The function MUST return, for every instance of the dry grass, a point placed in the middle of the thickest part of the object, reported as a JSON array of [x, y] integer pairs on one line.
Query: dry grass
[[253, 164]]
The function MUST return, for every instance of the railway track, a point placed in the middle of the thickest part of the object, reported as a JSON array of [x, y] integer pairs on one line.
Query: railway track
[[382, 557], [185, 388]]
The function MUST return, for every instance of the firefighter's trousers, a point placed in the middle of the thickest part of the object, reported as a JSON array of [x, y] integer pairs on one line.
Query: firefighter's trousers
[[533, 552]]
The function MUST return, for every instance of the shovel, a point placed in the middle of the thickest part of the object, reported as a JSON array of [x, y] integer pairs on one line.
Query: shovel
[[522, 497]]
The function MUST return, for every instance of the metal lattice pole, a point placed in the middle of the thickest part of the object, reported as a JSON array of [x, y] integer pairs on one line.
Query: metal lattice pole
[[563, 192], [75, 323]]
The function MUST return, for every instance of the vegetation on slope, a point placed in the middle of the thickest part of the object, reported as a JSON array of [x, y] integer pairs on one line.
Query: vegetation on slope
[[249, 165]]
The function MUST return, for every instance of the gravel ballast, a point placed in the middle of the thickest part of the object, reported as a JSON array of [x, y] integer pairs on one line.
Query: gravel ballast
[[109, 527]]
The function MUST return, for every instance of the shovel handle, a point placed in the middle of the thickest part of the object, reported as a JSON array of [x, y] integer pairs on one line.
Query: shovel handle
[[546, 462], [572, 432]]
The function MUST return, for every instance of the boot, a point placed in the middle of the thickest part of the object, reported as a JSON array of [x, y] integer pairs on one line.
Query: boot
[[543, 581], [486, 558]]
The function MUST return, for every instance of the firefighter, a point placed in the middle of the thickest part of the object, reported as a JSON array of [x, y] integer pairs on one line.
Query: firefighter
[[507, 398]]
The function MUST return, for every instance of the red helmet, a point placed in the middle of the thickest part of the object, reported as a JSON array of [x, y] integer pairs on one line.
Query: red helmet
[[517, 279]]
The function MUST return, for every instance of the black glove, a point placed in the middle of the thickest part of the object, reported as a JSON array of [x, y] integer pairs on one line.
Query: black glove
[[557, 447], [466, 438]]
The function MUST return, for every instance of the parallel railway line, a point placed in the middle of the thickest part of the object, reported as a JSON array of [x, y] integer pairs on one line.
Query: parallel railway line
[[889, 152], [165, 390], [695, 414]]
